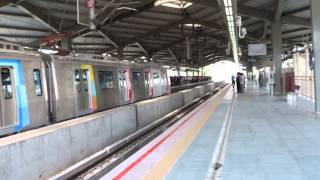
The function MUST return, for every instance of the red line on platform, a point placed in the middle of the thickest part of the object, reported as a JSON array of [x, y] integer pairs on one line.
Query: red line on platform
[[136, 162]]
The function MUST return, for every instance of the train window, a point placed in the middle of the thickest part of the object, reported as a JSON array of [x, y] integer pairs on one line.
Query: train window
[[1, 46], [16, 48], [37, 82], [155, 75], [6, 83], [136, 79], [105, 79], [122, 76], [77, 79], [8, 46], [85, 79]]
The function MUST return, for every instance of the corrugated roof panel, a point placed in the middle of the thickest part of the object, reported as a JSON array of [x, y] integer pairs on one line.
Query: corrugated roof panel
[[290, 5], [304, 14]]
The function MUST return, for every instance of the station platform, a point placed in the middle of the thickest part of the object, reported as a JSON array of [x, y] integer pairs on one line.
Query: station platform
[[266, 138]]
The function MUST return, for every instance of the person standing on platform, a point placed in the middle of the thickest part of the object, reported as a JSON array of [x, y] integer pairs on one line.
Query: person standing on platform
[[238, 83], [233, 80], [260, 81], [242, 82]]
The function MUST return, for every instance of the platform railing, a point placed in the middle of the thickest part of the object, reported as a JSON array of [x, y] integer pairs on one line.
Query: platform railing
[[305, 86]]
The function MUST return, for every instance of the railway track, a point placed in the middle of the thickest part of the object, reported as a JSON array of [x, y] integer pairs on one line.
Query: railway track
[[105, 160]]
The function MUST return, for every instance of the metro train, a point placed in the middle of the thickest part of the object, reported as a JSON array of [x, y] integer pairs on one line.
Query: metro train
[[39, 89]]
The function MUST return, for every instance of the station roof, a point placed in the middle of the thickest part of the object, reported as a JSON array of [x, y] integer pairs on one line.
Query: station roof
[[145, 30], [259, 15]]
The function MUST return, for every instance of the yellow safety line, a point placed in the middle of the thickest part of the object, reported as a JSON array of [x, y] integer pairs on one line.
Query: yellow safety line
[[161, 168]]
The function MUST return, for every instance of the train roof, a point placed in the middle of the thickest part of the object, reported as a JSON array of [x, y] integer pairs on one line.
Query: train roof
[[7, 48], [12, 50], [99, 60]]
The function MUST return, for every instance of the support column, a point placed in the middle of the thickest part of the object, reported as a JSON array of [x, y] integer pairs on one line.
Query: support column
[[120, 53], [277, 49], [188, 43], [200, 56], [315, 15], [65, 43]]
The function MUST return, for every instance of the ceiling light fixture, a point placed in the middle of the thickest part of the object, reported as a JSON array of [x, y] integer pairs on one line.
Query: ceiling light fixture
[[193, 25], [231, 28], [179, 4]]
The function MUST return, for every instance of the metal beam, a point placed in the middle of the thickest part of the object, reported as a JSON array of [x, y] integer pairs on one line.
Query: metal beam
[[140, 46], [15, 14], [90, 44], [255, 25], [268, 16], [243, 1], [265, 30], [88, 48], [296, 30], [144, 5], [173, 55], [143, 49], [205, 3], [182, 40], [21, 36], [305, 36], [23, 28], [278, 10], [108, 39], [296, 20], [101, 17], [255, 13], [166, 46], [295, 11], [33, 11], [158, 30], [173, 24]]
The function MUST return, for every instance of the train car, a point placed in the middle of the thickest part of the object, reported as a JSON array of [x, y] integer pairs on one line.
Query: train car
[[80, 86], [85, 84], [40, 89], [23, 92], [156, 81]]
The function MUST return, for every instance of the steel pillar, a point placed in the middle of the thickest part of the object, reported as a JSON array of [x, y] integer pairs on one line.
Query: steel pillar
[[315, 15], [65, 43], [120, 53], [188, 43], [277, 49]]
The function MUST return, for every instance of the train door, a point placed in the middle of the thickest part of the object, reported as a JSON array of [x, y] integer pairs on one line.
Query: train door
[[8, 98], [156, 82], [85, 87], [123, 87], [137, 85], [164, 83], [81, 82], [147, 84]]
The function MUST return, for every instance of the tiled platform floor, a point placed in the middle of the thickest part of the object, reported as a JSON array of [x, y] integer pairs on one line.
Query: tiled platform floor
[[184, 151], [271, 139]]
